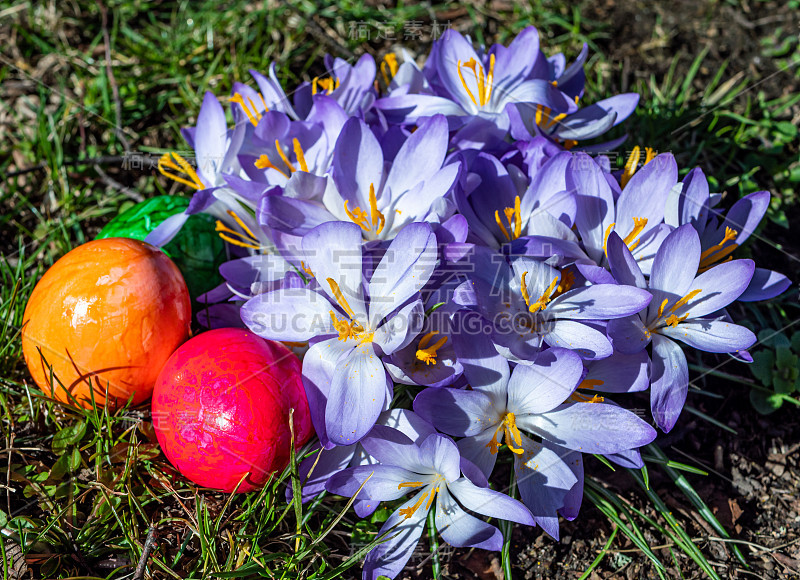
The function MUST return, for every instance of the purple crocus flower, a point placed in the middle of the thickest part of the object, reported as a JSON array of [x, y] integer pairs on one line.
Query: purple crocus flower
[[322, 464], [352, 86], [501, 205], [720, 234], [529, 304], [685, 308], [433, 471], [351, 326], [637, 214], [381, 200], [535, 398], [467, 84]]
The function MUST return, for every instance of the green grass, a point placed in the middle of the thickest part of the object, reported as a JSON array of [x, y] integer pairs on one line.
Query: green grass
[[86, 486]]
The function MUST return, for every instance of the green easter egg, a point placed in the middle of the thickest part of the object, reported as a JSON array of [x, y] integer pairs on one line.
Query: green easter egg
[[197, 250]]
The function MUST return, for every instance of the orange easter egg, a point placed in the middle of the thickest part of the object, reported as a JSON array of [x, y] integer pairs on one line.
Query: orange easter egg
[[105, 318]]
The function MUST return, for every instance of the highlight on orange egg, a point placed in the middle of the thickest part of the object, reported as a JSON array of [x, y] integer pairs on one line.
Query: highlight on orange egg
[[102, 322]]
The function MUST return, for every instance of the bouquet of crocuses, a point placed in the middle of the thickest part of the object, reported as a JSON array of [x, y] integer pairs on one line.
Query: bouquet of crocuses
[[457, 229]]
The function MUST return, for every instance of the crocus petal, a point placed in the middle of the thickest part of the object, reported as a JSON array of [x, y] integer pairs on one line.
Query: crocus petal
[[590, 427], [393, 447], [166, 230], [622, 263], [599, 301], [293, 216], [544, 479], [621, 373], [356, 397], [408, 423], [595, 202], [357, 163], [319, 364], [632, 458], [483, 366], [572, 501], [675, 264], [669, 382], [381, 481], [744, 216], [488, 502], [623, 105], [645, 195], [586, 341], [586, 123], [628, 335], [456, 412], [764, 285], [515, 63], [441, 453], [404, 269], [409, 108], [424, 150], [389, 557], [460, 529], [545, 384], [476, 449], [296, 314], [401, 328], [711, 335], [333, 251], [209, 138], [718, 287], [324, 466]]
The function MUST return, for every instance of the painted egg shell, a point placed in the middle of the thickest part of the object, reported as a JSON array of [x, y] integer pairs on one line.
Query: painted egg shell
[[197, 249], [106, 316], [221, 409]]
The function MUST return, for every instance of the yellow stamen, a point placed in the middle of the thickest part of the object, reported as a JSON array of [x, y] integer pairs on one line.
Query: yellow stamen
[[347, 329], [580, 398], [411, 510], [427, 354], [175, 162], [298, 153], [673, 320], [514, 219], [263, 162], [484, 81], [240, 240], [510, 434], [328, 85], [378, 219], [409, 484], [389, 67], [631, 239], [685, 299], [242, 224], [545, 298], [590, 383], [605, 236], [337, 293], [630, 166], [285, 159], [567, 280], [718, 252], [249, 108], [524, 288], [661, 308], [569, 144], [359, 216], [306, 269]]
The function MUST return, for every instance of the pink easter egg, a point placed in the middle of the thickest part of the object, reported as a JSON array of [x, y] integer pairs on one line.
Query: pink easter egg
[[221, 409]]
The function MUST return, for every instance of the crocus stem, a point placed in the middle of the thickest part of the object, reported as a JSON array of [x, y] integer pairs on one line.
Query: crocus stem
[[505, 527], [434, 539]]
